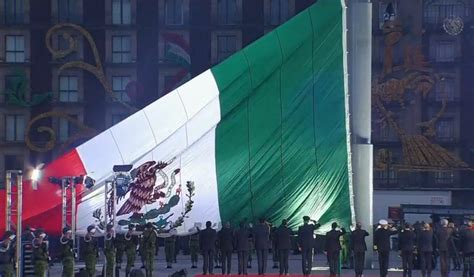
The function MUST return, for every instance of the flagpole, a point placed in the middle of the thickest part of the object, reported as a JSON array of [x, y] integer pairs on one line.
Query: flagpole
[[359, 47]]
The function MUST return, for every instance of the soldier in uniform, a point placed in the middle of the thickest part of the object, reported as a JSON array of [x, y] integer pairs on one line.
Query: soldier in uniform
[[467, 249], [306, 243], [406, 245], [40, 253], [194, 249], [119, 250], [358, 247], [131, 242], [444, 238], [261, 237], [226, 246], [207, 241], [7, 254], [382, 245], [148, 244], [333, 248], [67, 252], [109, 250], [241, 238], [283, 245], [251, 246], [275, 257], [170, 244], [90, 250], [425, 247]]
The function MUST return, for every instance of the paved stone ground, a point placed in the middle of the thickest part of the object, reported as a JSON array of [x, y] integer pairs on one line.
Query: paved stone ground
[[320, 267]]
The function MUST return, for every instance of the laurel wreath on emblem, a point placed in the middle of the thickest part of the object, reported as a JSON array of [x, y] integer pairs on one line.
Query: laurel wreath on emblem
[[453, 26]]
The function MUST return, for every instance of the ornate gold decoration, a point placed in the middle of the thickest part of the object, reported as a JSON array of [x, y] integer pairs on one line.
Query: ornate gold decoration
[[85, 132], [394, 86]]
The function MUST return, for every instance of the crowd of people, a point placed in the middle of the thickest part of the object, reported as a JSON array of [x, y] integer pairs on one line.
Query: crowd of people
[[421, 244]]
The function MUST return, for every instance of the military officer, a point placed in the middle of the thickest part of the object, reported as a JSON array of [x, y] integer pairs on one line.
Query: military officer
[[242, 246], [7, 254], [443, 238], [194, 248], [109, 250], [226, 246], [67, 252], [333, 248], [358, 247], [40, 253], [275, 257], [207, 241], [131, 242], [261, 237], [382, 245], [170, 245], [119, 249], [467, 249], [406, 244], [283, 245], [148, 244], [306, 243], [90, 250], [251, 246]]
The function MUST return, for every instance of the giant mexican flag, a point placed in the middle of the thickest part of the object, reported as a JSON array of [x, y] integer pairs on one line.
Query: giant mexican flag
[[264, 133]]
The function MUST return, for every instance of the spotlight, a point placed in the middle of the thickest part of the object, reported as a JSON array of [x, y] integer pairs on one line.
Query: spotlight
[[36, 176], [89, 182]]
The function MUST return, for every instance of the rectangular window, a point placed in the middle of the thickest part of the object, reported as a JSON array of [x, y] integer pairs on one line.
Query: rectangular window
[[445, 129], [227, 12], [67, 128], [14, 11], [445, 90], [68, 89], [279, 11], [121, 12], [121, 49], [67, 11], [15, 127], [119, 87], [15, 49], [226, 46], [445, 51], [174, 12], [444, 177], [436, 11], [116, 118]]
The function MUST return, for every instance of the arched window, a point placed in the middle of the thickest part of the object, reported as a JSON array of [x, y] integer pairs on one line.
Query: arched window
[[435, 11]]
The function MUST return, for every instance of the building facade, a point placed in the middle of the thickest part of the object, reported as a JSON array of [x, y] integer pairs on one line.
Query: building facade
[[422, 64], [72, 68]]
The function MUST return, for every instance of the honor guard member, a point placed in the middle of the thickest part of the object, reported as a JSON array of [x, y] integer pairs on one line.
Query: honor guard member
[[217, 255], [467, 249], [119, 250], [207, 241], [67, 252], [261, 236], [425, 248], [275, 258], [251, 249], [358, 247], [241, 238], [443, 239], [382, 245], [90, 250], [333, 248], [226, 247], [406, 245], [131, 242], [306, 243], [194, 248], [109, 250], [28, 235], [7, 254], [40, 253], [283, 245], [148, 243], [170, 245]]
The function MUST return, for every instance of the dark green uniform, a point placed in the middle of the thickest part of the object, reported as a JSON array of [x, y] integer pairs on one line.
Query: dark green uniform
[[90, 252], [149, 244], [194, 249], [131, 243], [119, 249], [7, 252], [40, 257], [67, 257], [170, 243], [109, 251]]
